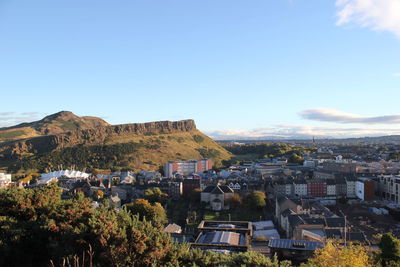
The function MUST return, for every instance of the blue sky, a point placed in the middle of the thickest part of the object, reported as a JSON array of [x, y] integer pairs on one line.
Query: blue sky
[[286, 68]]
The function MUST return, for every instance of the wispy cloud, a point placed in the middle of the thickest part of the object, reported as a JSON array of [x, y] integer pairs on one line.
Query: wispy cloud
[[397, 74], [12, 118], [332, 115], [379, 15], [288, 131]]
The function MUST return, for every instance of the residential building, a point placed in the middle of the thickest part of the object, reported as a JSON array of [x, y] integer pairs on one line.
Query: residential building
[[341, 187], [189, 185], [365, 188], [186, 167], [331, 187], [300, 187], [389, 188], [316, 187], [224, 236], [351, 187], [217, 197], [296, 250]]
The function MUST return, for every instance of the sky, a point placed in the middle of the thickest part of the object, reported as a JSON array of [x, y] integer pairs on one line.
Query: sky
[[239, 68]]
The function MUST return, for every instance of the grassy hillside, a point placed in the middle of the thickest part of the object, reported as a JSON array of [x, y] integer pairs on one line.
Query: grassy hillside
[[64, 139], [60, 122], [137, 152]]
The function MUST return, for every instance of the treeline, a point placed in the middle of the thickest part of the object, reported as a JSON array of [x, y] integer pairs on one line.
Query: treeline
[[268, 150], [38, 228], [90, 157]]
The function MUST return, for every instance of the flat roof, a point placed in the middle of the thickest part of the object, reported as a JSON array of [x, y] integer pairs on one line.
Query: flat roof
[[295, 244]]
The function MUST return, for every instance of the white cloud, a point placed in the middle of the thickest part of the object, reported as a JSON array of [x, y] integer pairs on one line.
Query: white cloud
[[397, 74], [332, 115], [379, 15], [288, 131], [12, 118]]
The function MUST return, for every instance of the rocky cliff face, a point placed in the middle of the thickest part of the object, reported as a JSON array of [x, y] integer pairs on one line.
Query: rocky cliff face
[[94, 136]]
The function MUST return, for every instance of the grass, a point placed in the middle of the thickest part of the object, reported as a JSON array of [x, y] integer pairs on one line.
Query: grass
[[13, 134]]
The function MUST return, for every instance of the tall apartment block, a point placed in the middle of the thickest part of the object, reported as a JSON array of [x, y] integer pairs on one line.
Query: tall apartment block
[[187, 167]]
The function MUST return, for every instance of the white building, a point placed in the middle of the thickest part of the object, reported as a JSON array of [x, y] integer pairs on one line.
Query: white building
[[330, 188], [310, 163], [235, 186], [389, 188], [300, 188], [5, 179], [360, 190], [47, 178], [186, 167], [351, 187]]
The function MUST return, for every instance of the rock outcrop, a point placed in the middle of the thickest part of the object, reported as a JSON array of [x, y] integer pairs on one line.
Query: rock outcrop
[[94, 136]]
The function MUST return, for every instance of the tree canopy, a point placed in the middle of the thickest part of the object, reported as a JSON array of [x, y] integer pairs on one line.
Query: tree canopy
[[255, 200], [155, 195]]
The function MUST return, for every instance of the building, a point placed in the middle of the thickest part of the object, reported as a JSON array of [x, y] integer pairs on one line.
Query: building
[[186, 167], [217, 197], [47, 178], [341, 187], [224, 236], [173, 228], [189, 185], [331, 187], [340, 166], [351, 187], [283, 187], [5, 179], [300, 187], [316, 187], [365, 189], [296, 250], [388, 188], [175, 189]]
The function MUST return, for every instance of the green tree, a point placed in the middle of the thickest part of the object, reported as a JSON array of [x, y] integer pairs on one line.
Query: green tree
[[154, 213], [334, 254], [195, 196], [390, 249], [155, 195], [235, 201], [295, 158], [255, 200]]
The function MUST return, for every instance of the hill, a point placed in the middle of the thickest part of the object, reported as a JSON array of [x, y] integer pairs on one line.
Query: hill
[[60, 122], [87, 142]]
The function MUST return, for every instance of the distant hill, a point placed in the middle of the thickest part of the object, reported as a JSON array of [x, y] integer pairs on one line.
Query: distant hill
[[60, 122], [89, 142], [389, 139]]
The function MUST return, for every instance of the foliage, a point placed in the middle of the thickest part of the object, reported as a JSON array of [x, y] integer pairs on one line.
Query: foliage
[[10, 135], [267, 150], [154, 213], [390, 248], [155, 195], [36, 226], [134, 152], [195, 196], [295, 158], [198, 138], [235, 201], [334, 254], [206, 152], [99, 157], [255, 200], [98, 194]]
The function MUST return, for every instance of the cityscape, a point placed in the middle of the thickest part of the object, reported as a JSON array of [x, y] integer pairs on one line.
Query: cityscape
[[200, 133]]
